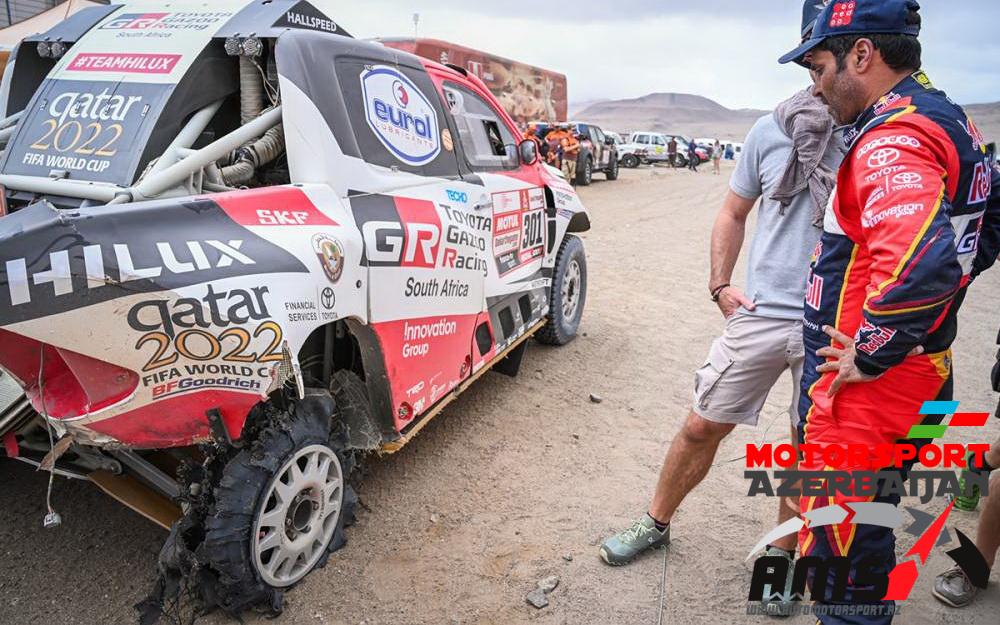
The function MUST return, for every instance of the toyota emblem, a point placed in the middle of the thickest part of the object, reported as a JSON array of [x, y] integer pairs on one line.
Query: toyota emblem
[[327, 298], [883, 157]]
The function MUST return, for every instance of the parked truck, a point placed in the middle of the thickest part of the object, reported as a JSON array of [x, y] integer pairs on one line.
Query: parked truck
[[525, 91]]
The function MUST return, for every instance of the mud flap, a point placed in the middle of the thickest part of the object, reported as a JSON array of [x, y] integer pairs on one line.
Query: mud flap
[[510, 364]]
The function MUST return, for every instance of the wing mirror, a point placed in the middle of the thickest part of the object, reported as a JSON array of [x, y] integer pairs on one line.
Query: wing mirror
[[528, 151]]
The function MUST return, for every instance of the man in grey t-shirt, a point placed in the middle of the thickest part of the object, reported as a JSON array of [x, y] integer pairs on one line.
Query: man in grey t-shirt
[[763, 331]]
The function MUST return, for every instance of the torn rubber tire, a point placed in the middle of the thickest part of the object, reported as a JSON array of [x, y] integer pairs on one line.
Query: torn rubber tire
[[568, 294], [355, 424], [279, 510]]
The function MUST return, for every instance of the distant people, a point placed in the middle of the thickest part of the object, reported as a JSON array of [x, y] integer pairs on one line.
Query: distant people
[[692, 154], [570, 150], [730, 154], [716, 157], [672, 152], [531, 132], [553, 149]]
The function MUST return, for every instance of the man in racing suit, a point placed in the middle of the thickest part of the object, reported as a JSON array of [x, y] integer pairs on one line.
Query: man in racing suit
[[900, 237]]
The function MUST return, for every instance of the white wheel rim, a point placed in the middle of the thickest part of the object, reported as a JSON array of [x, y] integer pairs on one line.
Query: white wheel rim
[[572, 280], [299, 515]]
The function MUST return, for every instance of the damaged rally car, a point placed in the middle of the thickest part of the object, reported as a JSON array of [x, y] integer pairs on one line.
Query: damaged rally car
[[241, 249]]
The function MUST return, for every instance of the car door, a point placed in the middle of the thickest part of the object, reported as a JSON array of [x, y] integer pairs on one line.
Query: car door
[[513, 202], [659, 146], [602, 155], [424, 251]]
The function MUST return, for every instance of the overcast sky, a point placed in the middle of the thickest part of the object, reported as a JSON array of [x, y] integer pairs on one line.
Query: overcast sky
[[726, 50]]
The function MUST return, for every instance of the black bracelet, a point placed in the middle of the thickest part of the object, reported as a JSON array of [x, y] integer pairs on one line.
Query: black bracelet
[[718, 291]]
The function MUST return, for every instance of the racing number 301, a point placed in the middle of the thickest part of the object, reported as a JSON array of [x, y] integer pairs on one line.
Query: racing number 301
[[186, 344], [532, 230], [81, 139]]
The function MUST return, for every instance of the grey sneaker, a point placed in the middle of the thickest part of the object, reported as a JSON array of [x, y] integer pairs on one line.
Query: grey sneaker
[[624, 547], [953, 588], [780, 603]]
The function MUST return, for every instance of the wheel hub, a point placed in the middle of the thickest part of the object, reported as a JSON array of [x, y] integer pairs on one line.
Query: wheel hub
[[571, 289], [298, 515], [301, 513]]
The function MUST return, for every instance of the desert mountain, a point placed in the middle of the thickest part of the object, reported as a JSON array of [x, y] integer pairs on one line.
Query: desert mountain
[[987, 118], [679, 113], [696, 116]]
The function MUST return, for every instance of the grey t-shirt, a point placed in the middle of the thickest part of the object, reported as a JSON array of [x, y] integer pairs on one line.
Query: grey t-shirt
[[782, 244]]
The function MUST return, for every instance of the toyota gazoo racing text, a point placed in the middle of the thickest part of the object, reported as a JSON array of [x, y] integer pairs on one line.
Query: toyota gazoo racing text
[[240, 249]]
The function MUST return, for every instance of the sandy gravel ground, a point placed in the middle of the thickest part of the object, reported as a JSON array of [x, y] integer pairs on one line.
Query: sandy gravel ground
[[520, 475]]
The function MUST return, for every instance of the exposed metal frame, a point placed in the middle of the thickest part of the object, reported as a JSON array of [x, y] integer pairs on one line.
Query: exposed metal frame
[[179, 164]]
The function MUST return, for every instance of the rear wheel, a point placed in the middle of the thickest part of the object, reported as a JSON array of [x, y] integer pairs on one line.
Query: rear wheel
[[630, 161], [585, 172], [568, 294], [280, 509]]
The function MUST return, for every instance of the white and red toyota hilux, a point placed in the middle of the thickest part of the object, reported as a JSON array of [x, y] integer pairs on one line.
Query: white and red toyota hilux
[[240, 248]]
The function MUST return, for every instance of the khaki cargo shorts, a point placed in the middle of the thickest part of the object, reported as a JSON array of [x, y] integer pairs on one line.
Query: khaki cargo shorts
[[743, 364]]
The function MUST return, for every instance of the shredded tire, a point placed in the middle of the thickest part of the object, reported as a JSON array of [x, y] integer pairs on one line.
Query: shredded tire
[[208, 558], [356, 424]]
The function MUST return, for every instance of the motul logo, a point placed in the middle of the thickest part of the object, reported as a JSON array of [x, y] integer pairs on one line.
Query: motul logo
[[192, 256]]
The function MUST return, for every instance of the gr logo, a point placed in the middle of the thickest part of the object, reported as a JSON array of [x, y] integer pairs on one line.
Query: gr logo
[[390, 243]]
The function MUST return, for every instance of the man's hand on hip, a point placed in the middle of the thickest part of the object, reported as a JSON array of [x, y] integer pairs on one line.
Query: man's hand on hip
[[843, 361], [730, 299]]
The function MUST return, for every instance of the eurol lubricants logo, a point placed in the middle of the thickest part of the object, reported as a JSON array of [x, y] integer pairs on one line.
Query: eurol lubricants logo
[[400, 115]]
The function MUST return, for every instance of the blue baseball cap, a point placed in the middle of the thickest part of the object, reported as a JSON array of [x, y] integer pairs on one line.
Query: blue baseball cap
[[810, 11], [857, 17]]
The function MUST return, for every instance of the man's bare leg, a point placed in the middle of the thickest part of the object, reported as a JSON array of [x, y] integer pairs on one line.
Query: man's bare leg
[[953, 587], [988, 532], [688, 460]]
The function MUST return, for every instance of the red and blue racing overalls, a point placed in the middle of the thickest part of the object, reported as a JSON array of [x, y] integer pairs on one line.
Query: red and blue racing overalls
[[900, 239]]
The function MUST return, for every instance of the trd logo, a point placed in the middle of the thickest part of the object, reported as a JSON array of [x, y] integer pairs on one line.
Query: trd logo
[[829, 579], [392, 244]]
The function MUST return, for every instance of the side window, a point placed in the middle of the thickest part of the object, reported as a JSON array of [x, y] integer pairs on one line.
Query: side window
[[658, 140], [642, 139], [397, 117], [487, 142], [596, 135]]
